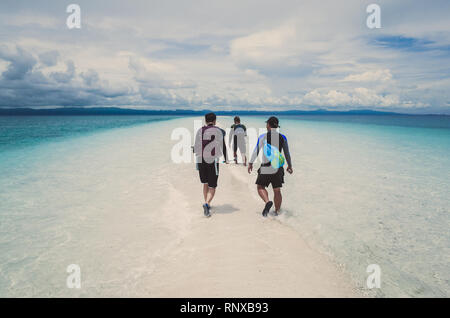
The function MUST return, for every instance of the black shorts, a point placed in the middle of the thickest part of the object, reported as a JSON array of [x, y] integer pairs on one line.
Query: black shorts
[[239, 144], [276, 179], [209, 173]]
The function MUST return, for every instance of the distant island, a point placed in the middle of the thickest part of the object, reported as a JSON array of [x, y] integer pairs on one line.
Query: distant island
[[86, 111]]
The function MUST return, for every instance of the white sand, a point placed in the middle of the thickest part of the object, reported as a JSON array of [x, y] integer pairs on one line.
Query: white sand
[[238, 253], [115, 204]]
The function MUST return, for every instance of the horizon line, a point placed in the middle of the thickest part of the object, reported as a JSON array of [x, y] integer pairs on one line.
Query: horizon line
[[114, 110]]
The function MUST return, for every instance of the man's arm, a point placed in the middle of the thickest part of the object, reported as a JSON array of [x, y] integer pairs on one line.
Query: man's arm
[[198, 145], [255, 154], [287, 154], [224, 146]]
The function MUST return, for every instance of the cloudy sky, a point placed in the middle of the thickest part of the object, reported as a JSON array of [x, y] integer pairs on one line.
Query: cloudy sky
[[219, 54]]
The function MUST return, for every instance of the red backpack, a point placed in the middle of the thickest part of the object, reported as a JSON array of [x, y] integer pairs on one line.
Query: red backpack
[[207, 141]]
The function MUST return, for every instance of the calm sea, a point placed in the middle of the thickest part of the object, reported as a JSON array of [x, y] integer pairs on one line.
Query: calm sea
[[365, 189]]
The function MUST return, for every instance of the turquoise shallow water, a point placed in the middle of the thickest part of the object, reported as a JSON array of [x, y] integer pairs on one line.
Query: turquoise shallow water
[[384, 191], [374, 190], [366, 190], [18, 131], [82, 197]]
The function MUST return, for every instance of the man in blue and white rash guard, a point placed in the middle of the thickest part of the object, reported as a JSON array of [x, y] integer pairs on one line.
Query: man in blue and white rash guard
[[237, 138], [271, 171]]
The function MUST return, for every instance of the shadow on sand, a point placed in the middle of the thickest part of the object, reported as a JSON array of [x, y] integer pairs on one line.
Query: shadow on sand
[[225, 208]]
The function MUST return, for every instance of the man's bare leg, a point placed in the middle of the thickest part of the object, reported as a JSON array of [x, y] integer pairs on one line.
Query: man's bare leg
[[265, 196], [263, 193], [277, 198], [205, 191], [244, 158], [210, 195]]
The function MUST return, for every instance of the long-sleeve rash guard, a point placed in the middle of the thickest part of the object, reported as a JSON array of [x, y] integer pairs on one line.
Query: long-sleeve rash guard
[[216, 145], [276, 139]]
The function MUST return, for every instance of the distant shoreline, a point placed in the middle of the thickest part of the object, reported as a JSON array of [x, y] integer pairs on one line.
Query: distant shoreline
[[92, 111]]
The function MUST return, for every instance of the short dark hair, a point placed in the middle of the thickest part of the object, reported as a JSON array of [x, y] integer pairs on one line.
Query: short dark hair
[[237, 119], [273, 122], [210, 117]]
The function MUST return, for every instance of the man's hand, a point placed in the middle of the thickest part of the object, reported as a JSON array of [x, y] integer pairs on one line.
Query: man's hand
[[289, 169], [250, 167]]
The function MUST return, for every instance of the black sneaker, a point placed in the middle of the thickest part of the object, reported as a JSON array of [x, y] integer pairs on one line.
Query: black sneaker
[[267, 208], [206, 211]]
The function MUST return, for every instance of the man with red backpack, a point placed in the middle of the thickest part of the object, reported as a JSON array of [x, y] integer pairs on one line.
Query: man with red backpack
[[209, 146]]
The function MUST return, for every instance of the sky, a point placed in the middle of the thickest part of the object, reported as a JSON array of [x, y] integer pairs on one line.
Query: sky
[[226, 55]]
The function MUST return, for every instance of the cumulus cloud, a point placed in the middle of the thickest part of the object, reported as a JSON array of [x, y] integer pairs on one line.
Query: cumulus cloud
[[23, 83], [266, 47], [295, 56], [370, 76], [20, 62], [49, 58], [282, 51], [67, 76], [90, 77], [357, 97], [152, 74]]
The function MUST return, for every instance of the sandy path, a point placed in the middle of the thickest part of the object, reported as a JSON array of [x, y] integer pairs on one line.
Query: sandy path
[[238, 253]]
